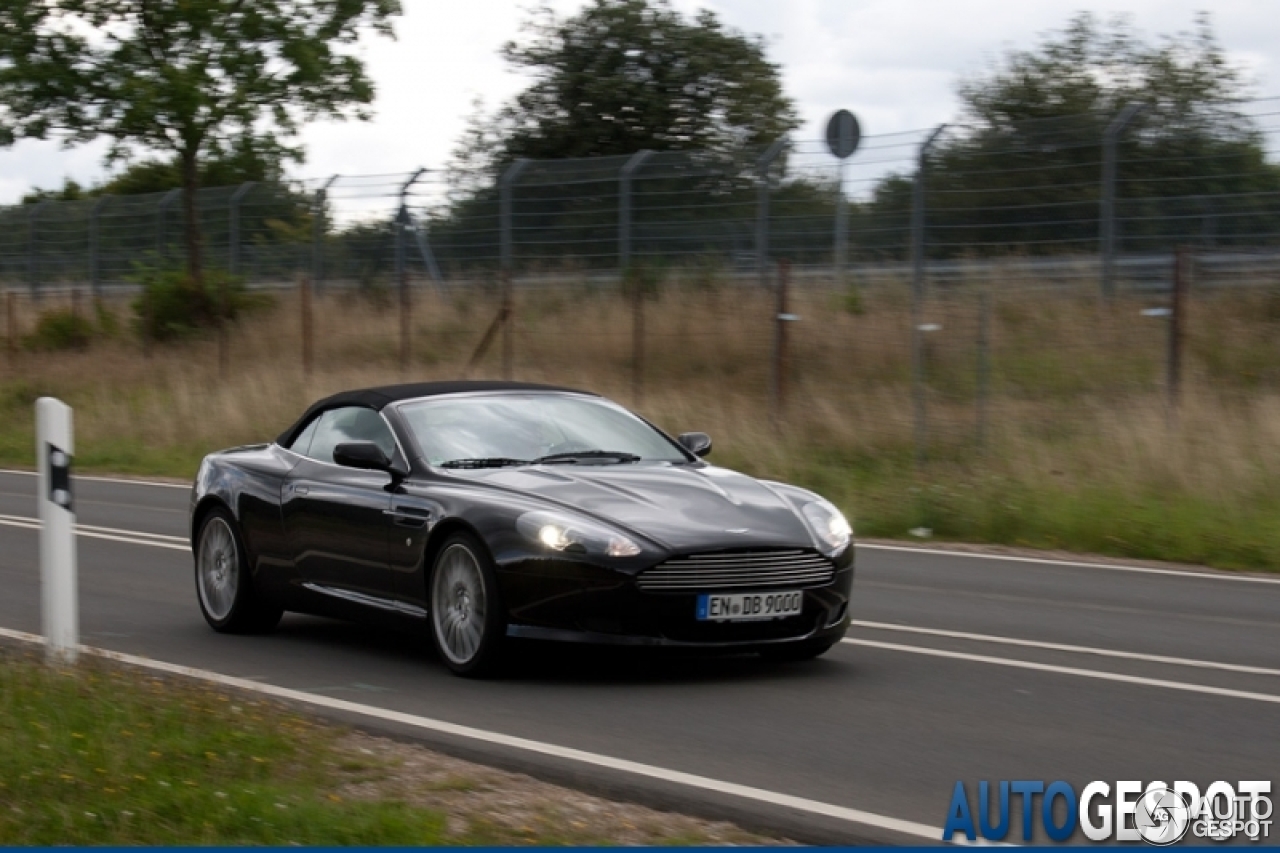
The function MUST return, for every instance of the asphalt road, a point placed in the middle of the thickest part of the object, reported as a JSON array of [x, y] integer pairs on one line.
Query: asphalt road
[[957, 668]]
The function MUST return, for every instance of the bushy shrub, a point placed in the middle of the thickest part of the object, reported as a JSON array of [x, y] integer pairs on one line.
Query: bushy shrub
[[173, 306], [60, 329]]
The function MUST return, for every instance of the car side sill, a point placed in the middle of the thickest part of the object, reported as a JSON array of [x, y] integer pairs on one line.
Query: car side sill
[[366, 600]]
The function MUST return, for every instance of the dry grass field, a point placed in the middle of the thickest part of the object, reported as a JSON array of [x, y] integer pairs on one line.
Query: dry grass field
[[1069, 442]]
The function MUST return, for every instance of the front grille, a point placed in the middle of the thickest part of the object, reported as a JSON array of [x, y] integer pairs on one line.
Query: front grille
[[738, 570]]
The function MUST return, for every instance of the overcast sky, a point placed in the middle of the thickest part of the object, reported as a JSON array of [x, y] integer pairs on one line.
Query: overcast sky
[[895, 63]]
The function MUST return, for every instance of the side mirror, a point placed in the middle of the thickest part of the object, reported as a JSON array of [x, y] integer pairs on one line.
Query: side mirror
[[697, 443], [364, 455]]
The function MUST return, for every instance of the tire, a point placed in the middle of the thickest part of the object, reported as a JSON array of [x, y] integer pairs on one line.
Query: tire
[[803, 650], [224, 585], [468, 623]]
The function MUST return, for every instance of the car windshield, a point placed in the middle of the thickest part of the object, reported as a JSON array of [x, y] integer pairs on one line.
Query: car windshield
[[511, 429]]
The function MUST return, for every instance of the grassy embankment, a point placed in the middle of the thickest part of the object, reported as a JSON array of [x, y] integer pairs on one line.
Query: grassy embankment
[[101, 756], [1080, 451]]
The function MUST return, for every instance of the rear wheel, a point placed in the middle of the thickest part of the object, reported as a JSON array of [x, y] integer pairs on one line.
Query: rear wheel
[[467, 620], [224, 586], [803, 650]]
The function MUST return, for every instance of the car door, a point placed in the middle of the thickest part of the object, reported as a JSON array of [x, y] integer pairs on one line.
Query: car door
[[336, 518]]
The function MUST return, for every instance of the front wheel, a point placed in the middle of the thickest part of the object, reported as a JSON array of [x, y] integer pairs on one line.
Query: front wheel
[[803, 650], [467, 621], [224, 587]]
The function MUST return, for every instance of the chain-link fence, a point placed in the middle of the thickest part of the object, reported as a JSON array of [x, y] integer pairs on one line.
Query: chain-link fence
[[932, 290]]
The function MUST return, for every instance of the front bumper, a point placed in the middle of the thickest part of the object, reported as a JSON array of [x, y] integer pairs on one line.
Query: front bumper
[[586, 604]]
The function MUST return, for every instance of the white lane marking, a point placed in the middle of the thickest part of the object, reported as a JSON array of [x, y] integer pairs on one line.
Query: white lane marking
[[114, 531], [99, 479], [1071, 670], [635, 768], [1071, 564], [1063, 647], [111, 534]]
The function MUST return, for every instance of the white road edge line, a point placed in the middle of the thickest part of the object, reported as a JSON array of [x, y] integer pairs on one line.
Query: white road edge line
[[1071, 564], [115, 531], [1070, 670], [635, 768], [99, 479], [128, 536], [1063, 647]]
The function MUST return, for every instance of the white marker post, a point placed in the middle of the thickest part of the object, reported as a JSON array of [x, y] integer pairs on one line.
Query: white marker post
[[60, 609]]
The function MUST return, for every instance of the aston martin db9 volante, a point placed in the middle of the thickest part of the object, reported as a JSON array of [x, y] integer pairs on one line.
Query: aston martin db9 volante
[[495, 510]]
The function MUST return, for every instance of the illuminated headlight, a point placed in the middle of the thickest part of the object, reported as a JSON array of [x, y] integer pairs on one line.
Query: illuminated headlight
[[831, 530], [557, 532]]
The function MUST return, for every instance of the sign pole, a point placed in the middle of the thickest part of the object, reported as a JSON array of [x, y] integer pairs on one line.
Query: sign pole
[[60, 614]]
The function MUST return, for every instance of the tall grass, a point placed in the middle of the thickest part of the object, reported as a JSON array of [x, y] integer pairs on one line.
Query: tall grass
[[1081, 448]]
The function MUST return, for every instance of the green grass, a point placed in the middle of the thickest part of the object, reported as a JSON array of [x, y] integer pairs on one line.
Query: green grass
[[1081, 453], [99, 756]]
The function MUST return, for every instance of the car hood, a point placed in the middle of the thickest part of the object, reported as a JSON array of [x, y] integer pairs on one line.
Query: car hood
[[680, 507]]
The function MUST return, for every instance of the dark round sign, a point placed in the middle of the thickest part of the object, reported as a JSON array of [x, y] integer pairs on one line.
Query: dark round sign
[[843, 134]]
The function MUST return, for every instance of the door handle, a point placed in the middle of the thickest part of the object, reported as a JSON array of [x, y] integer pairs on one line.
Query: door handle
[[301, 490], [408, 519]]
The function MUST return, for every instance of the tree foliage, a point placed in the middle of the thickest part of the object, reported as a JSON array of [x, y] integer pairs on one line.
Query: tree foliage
[[1022, 168], [626, 75], [618, 77], [192, 80]]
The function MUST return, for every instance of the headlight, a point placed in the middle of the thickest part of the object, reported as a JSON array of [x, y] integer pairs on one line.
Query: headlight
[[831, 530], [557, 532]]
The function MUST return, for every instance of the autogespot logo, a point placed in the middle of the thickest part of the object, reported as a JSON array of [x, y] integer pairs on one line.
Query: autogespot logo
[[1159, 814]]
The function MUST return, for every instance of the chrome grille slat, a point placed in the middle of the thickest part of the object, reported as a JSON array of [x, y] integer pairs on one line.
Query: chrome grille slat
[[737, 558], [730, 573], [738, 570]]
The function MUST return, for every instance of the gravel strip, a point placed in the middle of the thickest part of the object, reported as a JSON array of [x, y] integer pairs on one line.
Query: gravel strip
[[484, 805]]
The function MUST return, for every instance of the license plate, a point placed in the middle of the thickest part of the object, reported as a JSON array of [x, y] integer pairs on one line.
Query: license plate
[[748, 606]]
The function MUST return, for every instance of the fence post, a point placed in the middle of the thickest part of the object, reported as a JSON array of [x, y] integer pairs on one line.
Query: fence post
[[95, 247], [917, 297], [11, 321], [624, 267], [233, 227], [984, 366], [762, 208], [162, 245], [304, 298], [1177, 325], [842, 226], [33, 249], [318, 205], [402, 270], [624, 206], [506, 185], [506, 247], [781, 318], [637, 343], [1107, 213]]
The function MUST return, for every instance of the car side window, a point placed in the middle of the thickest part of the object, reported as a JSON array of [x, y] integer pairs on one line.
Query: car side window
[[302, 443], [351, 423]]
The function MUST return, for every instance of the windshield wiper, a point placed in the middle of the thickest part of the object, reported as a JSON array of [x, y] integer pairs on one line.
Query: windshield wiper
[[572, 456], [487, 462]]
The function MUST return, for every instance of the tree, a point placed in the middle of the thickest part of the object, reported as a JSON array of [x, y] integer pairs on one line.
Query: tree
[[194, 80], [618, 77], [1022, 166], [626, 75]]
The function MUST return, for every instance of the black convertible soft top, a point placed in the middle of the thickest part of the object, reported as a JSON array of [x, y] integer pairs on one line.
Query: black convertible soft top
[[379, 398]]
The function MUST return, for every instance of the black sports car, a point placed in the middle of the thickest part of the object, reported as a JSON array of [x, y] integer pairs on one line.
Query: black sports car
[[499, 509]]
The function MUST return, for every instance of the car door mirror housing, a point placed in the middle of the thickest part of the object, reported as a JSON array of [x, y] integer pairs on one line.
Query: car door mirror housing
[[364, 455], [697, 443]]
